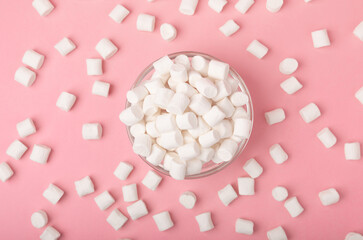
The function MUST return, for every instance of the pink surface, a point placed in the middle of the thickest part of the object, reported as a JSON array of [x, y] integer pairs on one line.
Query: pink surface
[[330, 77]]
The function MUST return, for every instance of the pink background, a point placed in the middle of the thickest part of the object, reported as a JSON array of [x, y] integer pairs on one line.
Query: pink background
[[330, 77]]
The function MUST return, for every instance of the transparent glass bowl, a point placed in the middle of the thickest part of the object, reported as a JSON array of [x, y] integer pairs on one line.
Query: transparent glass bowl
[[210, 167]]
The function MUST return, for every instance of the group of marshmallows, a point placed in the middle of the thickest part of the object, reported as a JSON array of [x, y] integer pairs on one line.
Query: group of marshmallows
[[188, 113]]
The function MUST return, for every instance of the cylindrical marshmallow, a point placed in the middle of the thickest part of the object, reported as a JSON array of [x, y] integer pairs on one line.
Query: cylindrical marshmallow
[[129, 192], [149, 107], [39, 219], [25, 76], [288, 66], [218, 70], [194, 76], [142, 145], [178, 73], [253, 168], [194, 167], [310, 112], [320, 38], [43, 7], [275, 116], [40, 153], [205, 222], [119, 13], [242, 6], [214, 116], [136, 94], [352, 151], [170, 140], [244, 226], [279, 193], [50, 233], [199, 104], [206, 87], [123, 170], [5, 172], [94, 66], [293, 206], [200, 129], [183, 60], [353, 236], [329, 196], [16, 149], [84, 186], [169, 157], [91, 131], [227, 150], [53, 193], [163, 97], [227, 195], [277, 234], [246, 186], [27, 127], [226, 106], [151, 129], [163, 65], [223, 90], [172, 84], [188, 199], [178, 103], [178, 169], [224, 128], [240, 112], [206, 154], [157, 155], [255, 47], [217, 5], [145, 23], [100, 88], [187, 7], [65, 101], [151, 180], [327, 138], [278, 154], [274, 5], [234, 83], [242, 128], [186, 121], [358, 31], [229, 28], [65, 46], [153, 85], [138, 128], [165, 123], [137, 210], [359, 95], [291, 85], [200, 64], [106, 48], [188, 151], [33, 59], [131, 115], [163, 221], [116, 219], [210, 138], [239, 99]]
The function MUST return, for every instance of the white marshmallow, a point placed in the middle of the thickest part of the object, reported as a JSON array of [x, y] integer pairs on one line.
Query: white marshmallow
[[91, 131], [16, 149], [256, 48], [163, 77], [26, 127], [240, 112], [327, 138], [106, 48], [224, 128], [163, 65], [25, 76], [214, 116], [253, 168], [187, 7], [274, 5], [43, 7], [100, 88], [116, 219], [275, 116], [218, 70], [291, 85], [153, 85], [169, 157], [246, 186], [279, 193], [94, 66], [227, 150], [206, 87], [123, 170], [239, 99], [217, 5], [167, 32], [242, 128], [130, 192], [50, 233], [352, 151], [163, 221], [163, 97], [206, 154], [186, 121], [188, 199], [151, 129], [187, 137], [151, 180], [277, 234], [229, 28], [138, 128], [310, 112], [244, 226], [65, 46], [234, 83], [172, 84], [208, 139], [188, 151], [293, 206], [205, 222], [40, 153], [226, 106], [194, 167], [149, 107], [201, 65], [320, 38], [178, 103], [353, 236], [136, 94], [145, 23], [199, 104], [178, 169], [66, 101], [358, 31], [104, 200], [165, 123], [329, 196], [137, 210], [142, 145], [178, 73], [33, 59], [242, 6], [157, 155], [200, 129], [278, 154], [5, 172], [194, 76], [227, 195], [223, 90], [53, 193], [39, 219], [170, 140], [131, 115], [84, 186], [359, 95], [119, 13], [288, 66]]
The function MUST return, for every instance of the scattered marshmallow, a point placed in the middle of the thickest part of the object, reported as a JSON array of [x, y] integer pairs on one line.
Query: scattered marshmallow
[[327, 138], [188, 151], [100, 88], [291, 85], [246, 186], [205, 222], [320, 38], [16, 149], [256, 48], [106, 48], [43, 7], [310, 112], [33, 59], [25, 76], [163, 221], [137, 210], [130, 192], [229, 28], [94, 66], [227, 194], [253, 168], [119, 13], [39, 219], [217, 5], [65, 46], [358, 31], [188, 199], [288, 66], [123, 170], [50, 233], [227, 150], [142, 145], [66, 101], [242, 6], [26, 127], [5, 172], [244, 226], [116, 219], [293, 206], [40, 153], [104, 200], [53, 193], [168, 32], [91, 131], [279, 193], [131, 115], [278, 154], [84, 186], [353, 236], [151, 180], [145, 23], [187, 7], [242, 128], [277, 234], [352, 151], [239, 99], [329, 196], [274, 5], [275, 116], [359, 95]]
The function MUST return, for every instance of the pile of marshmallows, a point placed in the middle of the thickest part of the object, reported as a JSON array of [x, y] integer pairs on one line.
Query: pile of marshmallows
[[187, 114]]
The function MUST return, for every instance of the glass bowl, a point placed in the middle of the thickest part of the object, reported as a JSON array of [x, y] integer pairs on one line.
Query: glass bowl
[[210, 167]]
